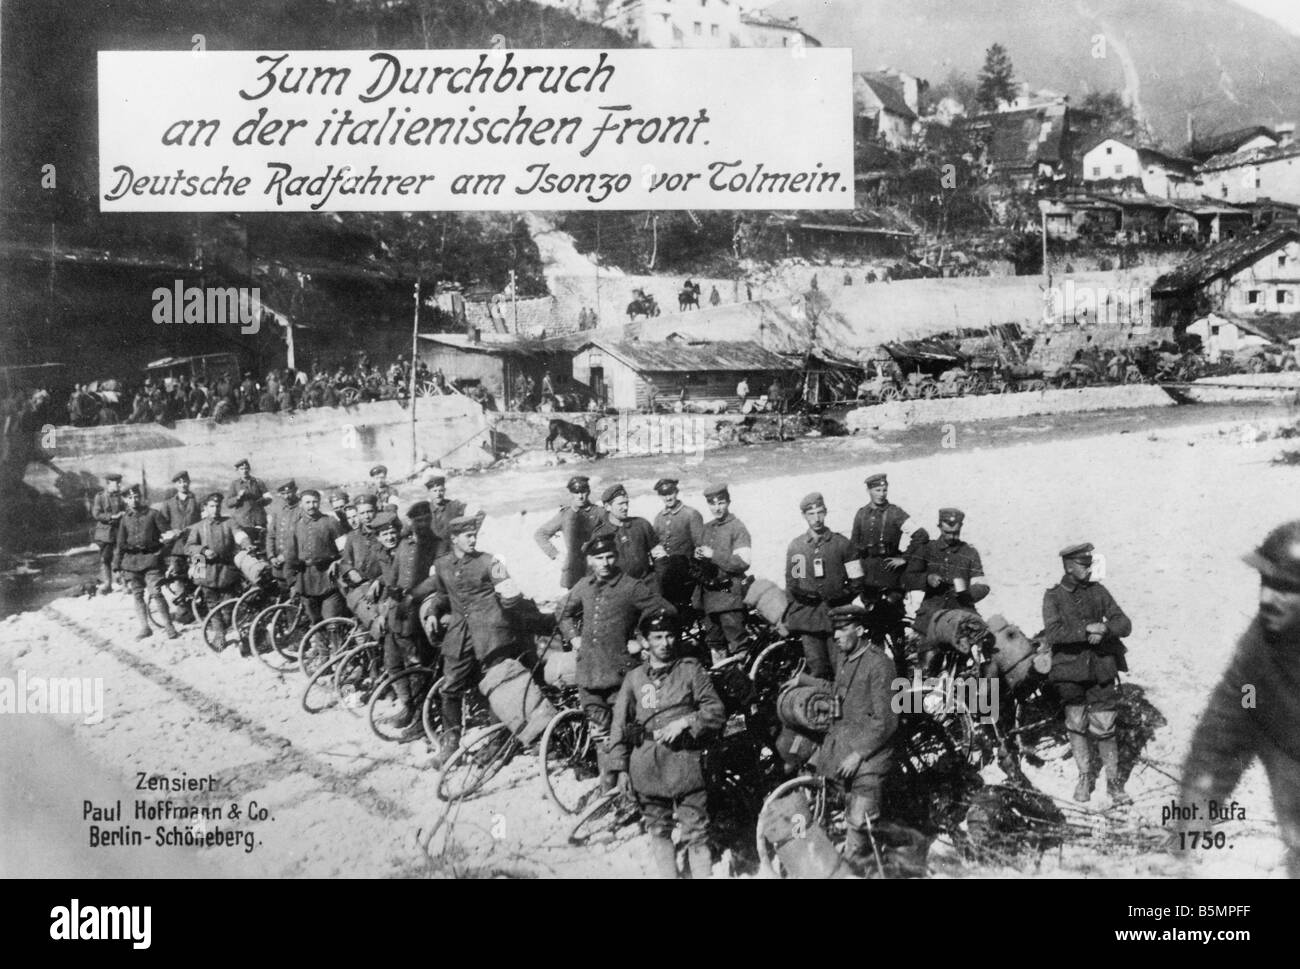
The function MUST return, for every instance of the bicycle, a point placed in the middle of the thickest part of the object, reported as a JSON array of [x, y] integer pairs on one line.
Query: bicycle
[[386, 701]]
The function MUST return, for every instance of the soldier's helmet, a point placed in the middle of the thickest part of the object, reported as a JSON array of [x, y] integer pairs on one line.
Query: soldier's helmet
[[1278, 557]]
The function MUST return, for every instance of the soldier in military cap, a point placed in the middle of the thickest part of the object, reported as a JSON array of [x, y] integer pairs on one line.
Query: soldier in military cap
[[1266, 668], [666, 711], [576, 524], [283, 520], [247, 499], [681, 530], [948, 570], [444, 509], [107, 509], [1084, 627], [309, 553], [178, 513], [724, 558], [358, 562], [471, 591], [858, 750], [598, 617], [339, 502], [881, 533], [141, 538], [211, 548], [822, 571], [633, 537], [385, 494]]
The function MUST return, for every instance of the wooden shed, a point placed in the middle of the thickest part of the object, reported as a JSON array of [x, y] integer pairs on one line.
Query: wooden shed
[[631, 375], [501, 366]]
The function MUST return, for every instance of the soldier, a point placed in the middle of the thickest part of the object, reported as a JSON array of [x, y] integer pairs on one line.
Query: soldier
[[443, 509], [471, 591], [680, 530], [179, 513], [633, 537], [725, 557], [284, 520], [576, 523], [880, 530], [599, 616], [359, 565], [822, 571], [338, 506], [308, 555], [248, 498], [213, 542], [405, 578], [858, 749], [139, 557], [1266, 669], [665, 712], [948, 569], [1084, 626], [384, 493], [107, 510]]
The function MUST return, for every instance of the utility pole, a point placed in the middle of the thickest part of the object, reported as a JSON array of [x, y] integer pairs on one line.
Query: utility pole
[[597, 262], [514, 299], [415, 349]]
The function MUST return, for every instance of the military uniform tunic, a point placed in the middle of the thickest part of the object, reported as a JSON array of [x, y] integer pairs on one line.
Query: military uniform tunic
[[247, 510], [633, 540], [820, 571], [1078, 667], [576, 527], [279, 532], [178, 514], [607, 612], [139, 541], [877, 535], [477, 629], [311, 548]]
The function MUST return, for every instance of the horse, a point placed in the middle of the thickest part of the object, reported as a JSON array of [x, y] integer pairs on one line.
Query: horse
[[577, 438], [645, 306], [688, 298]]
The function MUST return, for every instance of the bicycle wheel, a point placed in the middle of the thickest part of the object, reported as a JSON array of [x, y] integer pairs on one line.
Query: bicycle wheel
[[288, 629], [261, 636], [320, 693], [384, 711], [160, 612], [219, 617], [775, 665], [824, 808], [567, 758], [356, 674], [601, 820], [476, 763], [247, 608], [323, 640]]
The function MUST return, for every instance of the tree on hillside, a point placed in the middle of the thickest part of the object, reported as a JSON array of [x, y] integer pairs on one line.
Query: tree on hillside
[[957, 86], [996, 79], [1117, 117]]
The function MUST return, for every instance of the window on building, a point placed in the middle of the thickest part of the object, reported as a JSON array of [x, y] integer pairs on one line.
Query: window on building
[[1257, 181], [1281, 260], [1119, 169], [713, 30], [1285, 297], [699, 29], [1252, 296], [1109, 150]]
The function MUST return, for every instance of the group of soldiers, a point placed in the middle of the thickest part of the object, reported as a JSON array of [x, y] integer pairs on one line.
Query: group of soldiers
[[654, 708]]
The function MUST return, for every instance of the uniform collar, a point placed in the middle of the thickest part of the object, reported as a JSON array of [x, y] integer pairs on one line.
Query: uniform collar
[[721, 521], [1070, 583], [612, 580], [950, 542], [812, 538]]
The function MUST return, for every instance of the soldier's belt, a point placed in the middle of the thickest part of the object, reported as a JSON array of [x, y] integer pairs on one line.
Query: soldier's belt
[[141, 550], [879, 552]]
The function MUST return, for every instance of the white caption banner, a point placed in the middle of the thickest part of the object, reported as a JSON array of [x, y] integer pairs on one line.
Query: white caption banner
[[471, 130]]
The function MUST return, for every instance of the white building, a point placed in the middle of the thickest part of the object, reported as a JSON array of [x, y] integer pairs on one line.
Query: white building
[[1161, 174], [696, 24], [1266, 173]]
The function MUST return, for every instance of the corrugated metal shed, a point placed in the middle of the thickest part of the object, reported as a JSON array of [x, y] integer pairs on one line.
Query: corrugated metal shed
[[1223, 259], [728, 357]]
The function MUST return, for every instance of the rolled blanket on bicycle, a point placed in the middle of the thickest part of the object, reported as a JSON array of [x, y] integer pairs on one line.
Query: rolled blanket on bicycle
[[809, 709], [251, 566], [958, 628], [214, 574], [516, 700], [560, 668], [796, 747], [801, 844], [767, 599], [1020, 661]]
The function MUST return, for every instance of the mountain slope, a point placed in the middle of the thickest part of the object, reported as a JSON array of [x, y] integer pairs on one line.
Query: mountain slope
[[1222, 63]]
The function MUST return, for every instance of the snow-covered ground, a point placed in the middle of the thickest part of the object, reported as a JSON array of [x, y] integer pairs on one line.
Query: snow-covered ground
[[1171, 508]]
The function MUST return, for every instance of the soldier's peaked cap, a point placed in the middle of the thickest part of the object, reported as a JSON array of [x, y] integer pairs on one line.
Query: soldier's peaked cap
[[812, 500], [579, 483], [311, 493], [666, 486], [878, 478], [114, 476], [661, 621], [378, 469], [951, 515], [370, 500], [385, 519], [847, 615], [1081, 550], [1278, 556], [600, 545], [421, 509], [612, 492], [289, 485], [181, 476], [717, 490], [243, 463], [216, 496], [132, 490], [463, 523], [435, 479]]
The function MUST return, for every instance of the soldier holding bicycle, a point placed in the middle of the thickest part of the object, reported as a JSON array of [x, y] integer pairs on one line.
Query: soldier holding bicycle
[[141, 536], [880, 530], [665, 712]]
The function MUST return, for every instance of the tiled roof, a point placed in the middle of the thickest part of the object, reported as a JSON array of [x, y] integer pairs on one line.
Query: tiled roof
[[1223, 259]]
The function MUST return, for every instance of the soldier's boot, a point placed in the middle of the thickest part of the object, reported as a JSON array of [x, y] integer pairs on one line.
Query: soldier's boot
[[701, 861], [905, 849], [404, 715], [142, 613], [858, 852], [1076, 723], [664, 855], [164, 610], [1009, 761], [450, 737], [1108, 748], [105, 579]]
